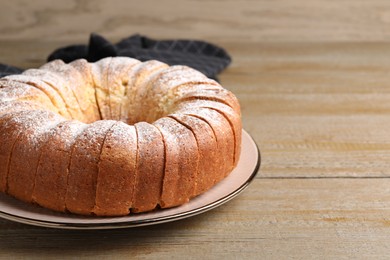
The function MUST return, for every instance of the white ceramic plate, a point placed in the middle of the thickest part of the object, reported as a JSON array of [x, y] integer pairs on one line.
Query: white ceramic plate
[[224, 191]]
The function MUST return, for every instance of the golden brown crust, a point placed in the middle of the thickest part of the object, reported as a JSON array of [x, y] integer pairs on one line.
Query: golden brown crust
[[181, 162], [165, 89], [53, 168], [150, 167], [117, 171], [203, 92], [9, 132], [231, 115], [33, 133], [223, 134], [7, 107], [83, 169], [207, 149]]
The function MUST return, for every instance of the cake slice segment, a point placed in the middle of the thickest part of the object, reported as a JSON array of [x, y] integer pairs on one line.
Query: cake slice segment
[[142, 76], [102, 93], [53, 168], [222, 132], [207, 148], [163, 90], [83, 169], [117, 80], [149, 169], [232, 116], [84, 87], [205, 92], [13, 90], [47, 89], [10, 129], [35, 129], [18, 97], [63, 89], [117, 171], [78, 79], [181, 162]]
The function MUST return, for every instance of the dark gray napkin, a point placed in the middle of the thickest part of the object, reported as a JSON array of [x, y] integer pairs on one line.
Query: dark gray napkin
[[205, 57], [6, 70]]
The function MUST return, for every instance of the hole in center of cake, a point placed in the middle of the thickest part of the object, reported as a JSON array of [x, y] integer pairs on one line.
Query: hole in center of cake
[[143, 111]]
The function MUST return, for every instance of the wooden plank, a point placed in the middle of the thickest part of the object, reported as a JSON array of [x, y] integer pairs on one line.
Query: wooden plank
[[272, 219], [284, 20], [315, 109]]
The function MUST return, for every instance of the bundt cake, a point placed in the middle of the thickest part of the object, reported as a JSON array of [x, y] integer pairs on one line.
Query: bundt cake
[[116, 136]]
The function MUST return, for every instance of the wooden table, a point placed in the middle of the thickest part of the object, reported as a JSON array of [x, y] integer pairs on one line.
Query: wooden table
[[313, 79]]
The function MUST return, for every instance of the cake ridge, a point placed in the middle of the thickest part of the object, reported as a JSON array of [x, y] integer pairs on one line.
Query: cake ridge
[[22, 164], [47, 90], [53, 67], [227, 112], [136, 165], [182, 163], [117, 81], [52, 126], [56, 146], [54, 81], [209, 115], [68, 169], [149, 169], [195, 187], [13, 86], [83, 84], [83, 168], [207, 147], [99, 159], [8, 134]]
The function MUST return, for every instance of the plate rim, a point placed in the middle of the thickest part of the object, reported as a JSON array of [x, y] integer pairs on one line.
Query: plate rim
[[148, 221]]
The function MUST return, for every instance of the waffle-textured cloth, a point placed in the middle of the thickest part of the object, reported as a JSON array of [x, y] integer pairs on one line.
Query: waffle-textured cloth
[[200, 55], [203, 56]]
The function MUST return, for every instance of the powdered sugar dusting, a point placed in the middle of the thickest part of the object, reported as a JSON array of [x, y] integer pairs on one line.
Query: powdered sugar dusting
[[177, 75], [143, 129], [13, 90], [33, 128], [120, 133], [65, 133], [93, 136]]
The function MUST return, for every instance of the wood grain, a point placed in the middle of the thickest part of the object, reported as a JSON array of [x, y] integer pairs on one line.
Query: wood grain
[[316, 109], [273, 219], [313, 80], [247, 20]]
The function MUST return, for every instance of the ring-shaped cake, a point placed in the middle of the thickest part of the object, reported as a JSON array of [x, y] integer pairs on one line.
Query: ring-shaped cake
[[116, 136]]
